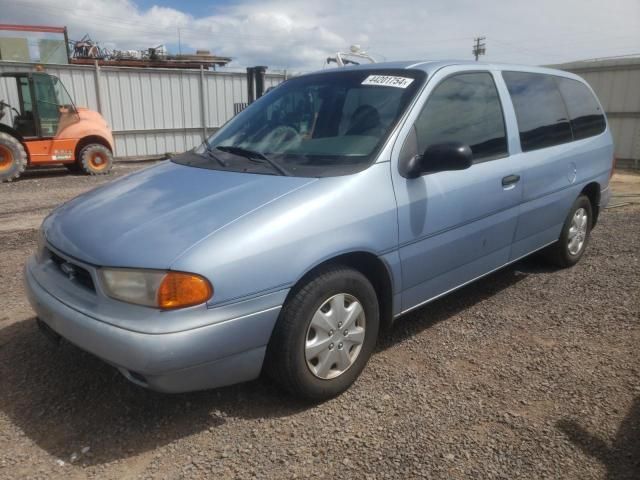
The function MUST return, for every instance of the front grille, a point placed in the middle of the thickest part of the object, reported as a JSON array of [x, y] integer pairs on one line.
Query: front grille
[[73, 271]]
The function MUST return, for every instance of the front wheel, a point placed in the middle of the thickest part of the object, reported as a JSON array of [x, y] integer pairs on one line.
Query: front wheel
[[575, 234], [325, 335], [96, 159]]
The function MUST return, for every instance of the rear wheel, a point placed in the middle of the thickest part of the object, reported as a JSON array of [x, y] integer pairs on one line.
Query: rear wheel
[[326, 333], [96, 159], [13, 158], [574, 237]]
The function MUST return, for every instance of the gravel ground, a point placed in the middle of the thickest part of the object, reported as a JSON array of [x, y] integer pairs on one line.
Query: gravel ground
[[530, 373]]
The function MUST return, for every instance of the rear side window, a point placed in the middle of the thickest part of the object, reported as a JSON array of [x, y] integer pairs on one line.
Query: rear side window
[[464, 108], [542, 117], [586, 115]]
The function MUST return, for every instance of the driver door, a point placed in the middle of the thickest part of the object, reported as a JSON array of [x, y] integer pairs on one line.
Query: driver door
[[55, 112], [47, 104], [455, 226], [24, 122]]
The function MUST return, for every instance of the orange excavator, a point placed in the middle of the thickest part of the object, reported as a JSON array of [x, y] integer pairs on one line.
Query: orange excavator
[[40, 125]]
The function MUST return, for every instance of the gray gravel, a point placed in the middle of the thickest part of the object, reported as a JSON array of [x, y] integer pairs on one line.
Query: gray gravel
[[530, 373]]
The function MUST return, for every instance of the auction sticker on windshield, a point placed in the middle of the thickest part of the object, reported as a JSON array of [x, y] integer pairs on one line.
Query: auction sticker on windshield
[[387, 81]]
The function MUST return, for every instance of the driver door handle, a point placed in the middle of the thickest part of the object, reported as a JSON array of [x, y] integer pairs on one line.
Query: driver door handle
[[510, 180]]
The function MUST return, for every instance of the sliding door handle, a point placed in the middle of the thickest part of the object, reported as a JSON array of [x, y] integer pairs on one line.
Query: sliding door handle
[[510, 180]]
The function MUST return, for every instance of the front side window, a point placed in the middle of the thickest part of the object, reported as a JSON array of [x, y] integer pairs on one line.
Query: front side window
[[542, 117], [585, 114], [318, 125], [464, 108]]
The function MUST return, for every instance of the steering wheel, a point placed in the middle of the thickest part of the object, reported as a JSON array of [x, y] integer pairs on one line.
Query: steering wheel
[[4, 104]]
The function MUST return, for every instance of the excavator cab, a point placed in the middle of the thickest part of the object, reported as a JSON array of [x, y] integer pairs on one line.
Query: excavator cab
[[40, 125]]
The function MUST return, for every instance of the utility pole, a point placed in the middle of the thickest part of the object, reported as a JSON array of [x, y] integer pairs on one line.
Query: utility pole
[[479, 48], [180, 43]]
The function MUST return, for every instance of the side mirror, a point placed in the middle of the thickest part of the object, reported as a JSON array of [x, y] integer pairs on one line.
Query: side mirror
[[440, 157]]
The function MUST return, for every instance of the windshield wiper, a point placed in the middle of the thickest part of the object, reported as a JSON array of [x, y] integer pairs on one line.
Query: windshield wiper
[[209, 151], [253, 155]]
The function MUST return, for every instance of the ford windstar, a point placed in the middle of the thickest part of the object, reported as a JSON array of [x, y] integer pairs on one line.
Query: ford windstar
[[331, 206]]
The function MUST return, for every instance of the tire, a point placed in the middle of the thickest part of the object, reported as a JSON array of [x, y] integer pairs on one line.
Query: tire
[[561, 253], [96, 159], [13, 158], [289, 361]]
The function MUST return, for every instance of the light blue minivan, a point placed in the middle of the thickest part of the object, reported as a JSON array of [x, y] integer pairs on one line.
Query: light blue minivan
[[334, 204]]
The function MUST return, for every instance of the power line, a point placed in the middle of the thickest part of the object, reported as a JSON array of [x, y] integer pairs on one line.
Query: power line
[[542, 50], [516, 48], [612, 57]]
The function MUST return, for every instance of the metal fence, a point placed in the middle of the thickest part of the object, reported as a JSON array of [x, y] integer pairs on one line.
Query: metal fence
[[152, 111]]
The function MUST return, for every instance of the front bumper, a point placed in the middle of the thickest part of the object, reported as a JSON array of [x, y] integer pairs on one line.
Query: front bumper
[[222, 353]]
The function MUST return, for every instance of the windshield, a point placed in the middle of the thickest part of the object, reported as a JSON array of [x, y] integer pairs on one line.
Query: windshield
[[317, 125], [62, 96]]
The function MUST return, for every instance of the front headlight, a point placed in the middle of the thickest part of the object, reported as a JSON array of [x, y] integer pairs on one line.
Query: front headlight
[[156, 288]]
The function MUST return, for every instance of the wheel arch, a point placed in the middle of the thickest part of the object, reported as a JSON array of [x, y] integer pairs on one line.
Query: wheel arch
[[11, 131], [374, 268], [592, 192], [88, 140]]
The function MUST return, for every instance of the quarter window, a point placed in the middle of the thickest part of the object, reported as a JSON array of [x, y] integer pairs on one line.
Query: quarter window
[[542, 116], [464, 108], [586, 115]]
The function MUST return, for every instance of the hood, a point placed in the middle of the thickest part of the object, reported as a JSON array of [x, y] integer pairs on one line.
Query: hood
[[92, 120], [146, 220]]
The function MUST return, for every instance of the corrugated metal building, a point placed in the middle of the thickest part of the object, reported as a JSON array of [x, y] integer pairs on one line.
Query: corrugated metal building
[[617, 84], [152, 111]]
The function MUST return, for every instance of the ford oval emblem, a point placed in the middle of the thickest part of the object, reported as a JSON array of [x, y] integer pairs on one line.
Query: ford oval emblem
[[68, 269]]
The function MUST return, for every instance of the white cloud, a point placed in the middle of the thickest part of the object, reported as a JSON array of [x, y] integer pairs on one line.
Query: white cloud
[[301, 34]]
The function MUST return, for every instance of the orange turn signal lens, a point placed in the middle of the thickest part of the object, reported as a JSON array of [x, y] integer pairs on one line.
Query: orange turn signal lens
[[179, 290]]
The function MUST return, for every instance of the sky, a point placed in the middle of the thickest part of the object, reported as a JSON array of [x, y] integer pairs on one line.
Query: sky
[[299, 35]]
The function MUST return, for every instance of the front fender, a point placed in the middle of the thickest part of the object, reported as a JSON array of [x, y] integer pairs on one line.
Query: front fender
[[89, 126], [276, 245]]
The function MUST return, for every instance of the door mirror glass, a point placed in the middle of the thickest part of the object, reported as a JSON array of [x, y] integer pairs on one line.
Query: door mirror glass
[[441, 157], [446, 156]]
